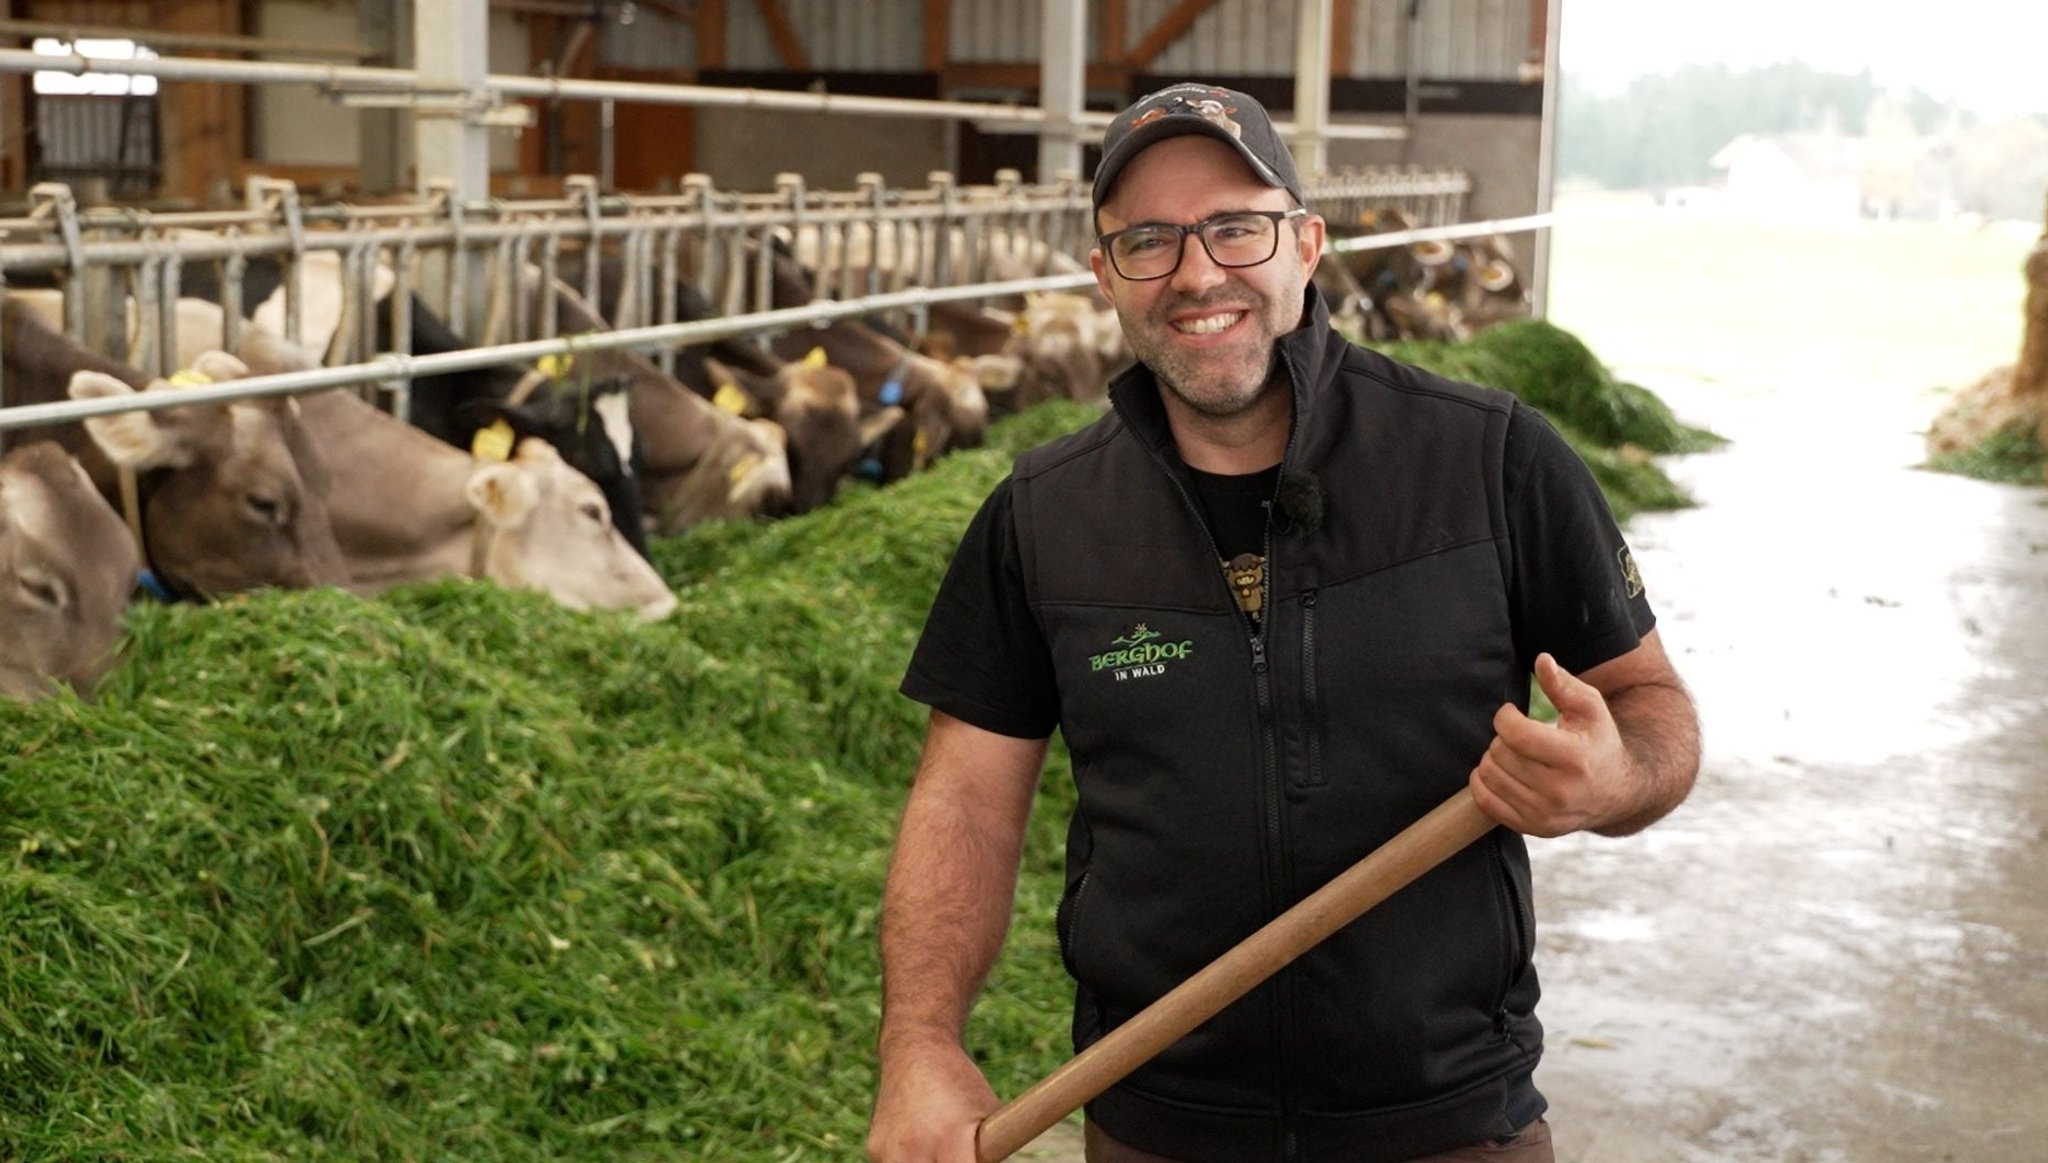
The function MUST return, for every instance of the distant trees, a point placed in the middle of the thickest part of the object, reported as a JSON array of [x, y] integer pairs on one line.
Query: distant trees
[[1664, 130]]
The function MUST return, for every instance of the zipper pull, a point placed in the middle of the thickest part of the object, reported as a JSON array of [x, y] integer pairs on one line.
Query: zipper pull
[[1258, 654]]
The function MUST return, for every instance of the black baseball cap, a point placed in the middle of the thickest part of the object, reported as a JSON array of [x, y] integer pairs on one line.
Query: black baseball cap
[[1231, 117]]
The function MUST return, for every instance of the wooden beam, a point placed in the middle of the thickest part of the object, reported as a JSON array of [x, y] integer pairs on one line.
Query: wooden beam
[[1170, 28], [1343, 18], [938, 34], [680, 13], [202, 122], [1539, 30], [1116, 30], [710, 34], [787, 46]]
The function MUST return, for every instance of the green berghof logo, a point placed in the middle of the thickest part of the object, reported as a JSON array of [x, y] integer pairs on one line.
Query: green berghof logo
[[1140, 653]]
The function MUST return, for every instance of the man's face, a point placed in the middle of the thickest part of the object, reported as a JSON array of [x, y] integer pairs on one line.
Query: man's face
[[1207, 331]]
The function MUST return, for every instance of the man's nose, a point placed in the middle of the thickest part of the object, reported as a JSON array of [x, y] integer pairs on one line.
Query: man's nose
[[1197, 271]]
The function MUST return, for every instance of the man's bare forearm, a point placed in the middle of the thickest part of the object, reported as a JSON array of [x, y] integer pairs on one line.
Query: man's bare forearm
[[947, 905], [1661, 733]]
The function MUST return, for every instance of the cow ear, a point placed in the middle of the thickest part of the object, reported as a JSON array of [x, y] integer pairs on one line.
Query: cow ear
[[130, 439], [776, 433], [740, 392], [995, 373], [879, 425], [536, 453], [219, 365], [502, 493], [1433, 252]]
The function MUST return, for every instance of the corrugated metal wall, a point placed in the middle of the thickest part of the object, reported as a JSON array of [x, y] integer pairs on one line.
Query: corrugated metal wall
[[1457, 39], [1465, 39], [838, 35], [654, 42]]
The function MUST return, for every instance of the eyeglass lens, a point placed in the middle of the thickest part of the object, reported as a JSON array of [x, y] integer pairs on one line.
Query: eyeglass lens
[[1232, 240]]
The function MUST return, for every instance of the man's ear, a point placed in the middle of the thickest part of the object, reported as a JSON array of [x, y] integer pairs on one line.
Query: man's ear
[[1311, 235], [1100, 265]]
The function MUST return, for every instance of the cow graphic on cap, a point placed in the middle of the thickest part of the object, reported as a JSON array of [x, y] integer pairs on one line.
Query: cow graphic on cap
[[1233, 118], [1181, 104]]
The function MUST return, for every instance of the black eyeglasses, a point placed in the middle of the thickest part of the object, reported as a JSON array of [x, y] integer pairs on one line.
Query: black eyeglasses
[[1236, 238]]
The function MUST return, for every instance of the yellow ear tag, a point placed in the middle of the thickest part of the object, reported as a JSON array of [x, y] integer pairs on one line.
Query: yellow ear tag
[[747, 464], [918, 444], [493, 443], [556, 366], [187, 378], [730, 399], [815, 358], [1021, 324]]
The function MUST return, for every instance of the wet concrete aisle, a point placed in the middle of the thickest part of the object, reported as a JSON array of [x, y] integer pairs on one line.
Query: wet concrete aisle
[[1837, 950]]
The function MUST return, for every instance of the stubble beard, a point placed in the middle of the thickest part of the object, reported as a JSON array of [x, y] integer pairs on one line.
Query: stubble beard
[[1218, 384]]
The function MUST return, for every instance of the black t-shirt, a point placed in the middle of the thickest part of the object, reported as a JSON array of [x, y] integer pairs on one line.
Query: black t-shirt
[[983, 659], [1236, 508]]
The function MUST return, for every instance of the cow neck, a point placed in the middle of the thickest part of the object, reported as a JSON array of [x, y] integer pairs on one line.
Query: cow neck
[[147, 579], [480, 548], [891, 392]]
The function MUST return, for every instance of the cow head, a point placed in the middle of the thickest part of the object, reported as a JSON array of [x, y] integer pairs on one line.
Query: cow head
[[1067, 347], [233, 496], [548, 529], [586, 422], [67, 566], [817, 407], [743, 472], [944, 408]]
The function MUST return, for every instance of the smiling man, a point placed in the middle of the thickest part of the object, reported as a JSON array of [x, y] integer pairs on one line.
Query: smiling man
[[1283, 600]]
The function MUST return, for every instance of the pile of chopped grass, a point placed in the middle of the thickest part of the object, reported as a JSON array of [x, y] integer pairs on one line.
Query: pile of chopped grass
[[2011, 454], [1993, 430], [1616, 427], [460, 874]]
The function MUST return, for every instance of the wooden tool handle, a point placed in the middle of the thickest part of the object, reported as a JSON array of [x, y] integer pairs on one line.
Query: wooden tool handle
[[1420, 847]]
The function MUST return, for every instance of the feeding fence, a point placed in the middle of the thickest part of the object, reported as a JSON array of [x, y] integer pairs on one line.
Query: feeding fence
[[874, 249]]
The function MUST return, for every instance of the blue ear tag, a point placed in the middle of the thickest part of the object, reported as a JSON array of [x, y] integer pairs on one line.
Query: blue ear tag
[[152, 586], [869, 469], [892, 393]]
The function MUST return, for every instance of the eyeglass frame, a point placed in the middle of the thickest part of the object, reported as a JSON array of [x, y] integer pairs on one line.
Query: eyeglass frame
[[1180, 249]]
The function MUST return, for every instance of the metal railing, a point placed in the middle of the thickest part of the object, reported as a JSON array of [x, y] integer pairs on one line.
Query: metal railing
[[875, 249]]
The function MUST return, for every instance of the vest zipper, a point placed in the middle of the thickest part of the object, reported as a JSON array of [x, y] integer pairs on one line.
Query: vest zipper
[[1311, 704]]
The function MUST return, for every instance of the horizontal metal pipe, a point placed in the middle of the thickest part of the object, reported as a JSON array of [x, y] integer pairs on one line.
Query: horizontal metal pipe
[[394, 366], [400, 367], [1005, 117], [167, 39], [1435, 233], [18, 60]]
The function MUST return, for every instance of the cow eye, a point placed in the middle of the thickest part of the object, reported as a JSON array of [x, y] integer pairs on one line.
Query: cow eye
[[592, 510], [41, 589], [269, 510]]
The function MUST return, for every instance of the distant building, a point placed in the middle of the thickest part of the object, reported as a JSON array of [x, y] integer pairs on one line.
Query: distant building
[[1806, 176]]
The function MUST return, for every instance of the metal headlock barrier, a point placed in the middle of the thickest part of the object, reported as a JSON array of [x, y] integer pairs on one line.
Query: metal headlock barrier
[[874, 250]]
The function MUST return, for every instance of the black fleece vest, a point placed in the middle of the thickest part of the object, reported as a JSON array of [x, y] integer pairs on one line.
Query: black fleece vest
[[1223, 775]]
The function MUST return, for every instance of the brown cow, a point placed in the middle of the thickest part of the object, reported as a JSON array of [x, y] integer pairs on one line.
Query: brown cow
[[67, 567], [808, 398], [408, 507], [698, 462], [819, 407], [945, 403], [232, 497]]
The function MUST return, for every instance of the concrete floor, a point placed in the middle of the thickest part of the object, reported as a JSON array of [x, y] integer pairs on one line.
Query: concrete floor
[[1837, 950]]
